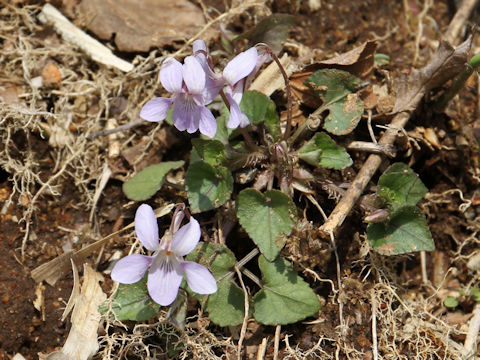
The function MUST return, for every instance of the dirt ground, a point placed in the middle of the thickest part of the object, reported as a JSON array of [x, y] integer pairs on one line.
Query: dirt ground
[[52, 202]]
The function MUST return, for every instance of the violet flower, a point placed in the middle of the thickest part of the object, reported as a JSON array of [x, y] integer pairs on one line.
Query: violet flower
[[167, 266], [187, 84], [234, 74]]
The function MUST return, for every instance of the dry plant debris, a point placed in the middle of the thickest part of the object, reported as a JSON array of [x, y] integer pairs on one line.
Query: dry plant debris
[[141, 26]]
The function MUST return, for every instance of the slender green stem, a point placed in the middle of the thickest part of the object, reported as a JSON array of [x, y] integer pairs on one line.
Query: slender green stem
[[305, 124], [287, 87], [458, 83]]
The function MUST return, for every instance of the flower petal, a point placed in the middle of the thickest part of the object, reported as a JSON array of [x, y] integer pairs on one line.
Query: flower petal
[[237, 118], [240, 66], [164, 279], [156, 109], [212, 87], [208, 123], [186, 113], [131, 269], [171, 75], [146, 227], [199, 45], [193, 75], [199, 279], [186, 238]]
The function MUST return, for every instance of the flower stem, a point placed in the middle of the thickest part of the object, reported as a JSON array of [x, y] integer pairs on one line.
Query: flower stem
[[287, 86], [458, 83]]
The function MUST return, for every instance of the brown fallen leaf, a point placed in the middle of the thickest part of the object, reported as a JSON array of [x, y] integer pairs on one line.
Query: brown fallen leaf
[[358, 61], [446, 64], [81, 343], [141, 25], [457, 318]]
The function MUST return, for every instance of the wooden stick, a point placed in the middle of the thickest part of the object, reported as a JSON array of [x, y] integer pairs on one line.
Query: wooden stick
[[276, 344], [459, 20], [338, 215], [69, 32]]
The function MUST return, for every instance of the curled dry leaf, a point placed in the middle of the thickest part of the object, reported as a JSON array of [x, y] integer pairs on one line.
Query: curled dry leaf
[[358, 61], [446, 64]]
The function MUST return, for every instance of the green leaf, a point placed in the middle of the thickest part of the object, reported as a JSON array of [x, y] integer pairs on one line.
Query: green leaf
[[335, 88], [405, 231], [207, 187], [148, 181], [226, 306], [260, 108], [285, 298], [210, 151], [381, 59], [223, 133], [475, 294], [450, 302], [218, 258], [272, 31], [132, 302], [400, 186], [267, 218], [322, 151]]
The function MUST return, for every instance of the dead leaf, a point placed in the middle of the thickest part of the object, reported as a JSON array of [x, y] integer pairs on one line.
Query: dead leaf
[[82, 343], [272, 31], [140, 27], [271, 79], [446, 64], [358, 61], [457, 318]]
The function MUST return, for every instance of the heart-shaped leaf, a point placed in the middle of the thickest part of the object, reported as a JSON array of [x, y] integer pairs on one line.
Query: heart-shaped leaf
[[148, 181], [400, 186], [267, 218], [285, 298], [226, 306], [207, 187], [405, 231], [210, 151], [335, 88], [322, 151], [132, 302], [259, 108]]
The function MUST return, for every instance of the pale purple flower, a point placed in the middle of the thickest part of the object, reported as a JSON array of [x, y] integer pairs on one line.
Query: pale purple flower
[[187, 83], [234, 75], [167, 266]]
